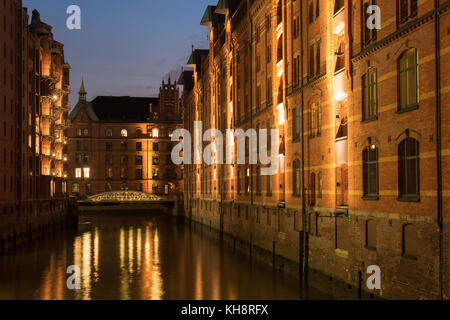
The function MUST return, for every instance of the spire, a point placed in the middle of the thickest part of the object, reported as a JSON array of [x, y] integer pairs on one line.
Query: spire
[[82, 93]]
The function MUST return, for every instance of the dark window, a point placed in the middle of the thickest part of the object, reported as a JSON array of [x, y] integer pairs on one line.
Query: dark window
[[296, 124], [138, 146], [408, 80], [370, 172], [318, 58], [312, 190], [311, 12], [108, 146], [371, 234], [408, 9], [296, 178], [123, 146], [408, 170], [370, 95], [369, 34], [155, 146], [269, 185], [409, 243], [258, 180], [138, 174], [138, 160], [311, 61]]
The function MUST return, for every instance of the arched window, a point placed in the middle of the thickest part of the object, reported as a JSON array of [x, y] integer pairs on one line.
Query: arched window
[[408, 170], [155, 133], [371, 234], [408, 84], [75, 188], [124, 133], [296, 178], [138, 133], [409, 241], [370, 172], [296, 124], [316, 120], [312, 193], [320, 185], [109, 132]]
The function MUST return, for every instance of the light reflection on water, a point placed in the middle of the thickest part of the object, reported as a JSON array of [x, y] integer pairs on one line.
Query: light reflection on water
[[148, 257]]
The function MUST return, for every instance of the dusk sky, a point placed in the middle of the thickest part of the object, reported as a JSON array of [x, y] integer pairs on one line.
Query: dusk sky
[[125, 47]]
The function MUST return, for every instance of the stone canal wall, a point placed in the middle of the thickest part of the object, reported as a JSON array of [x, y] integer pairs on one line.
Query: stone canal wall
[[272, 235], [20, 224]]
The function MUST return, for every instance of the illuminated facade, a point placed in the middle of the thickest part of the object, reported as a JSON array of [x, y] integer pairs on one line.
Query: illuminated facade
[[363, 137], [124, 143], [33, 113]]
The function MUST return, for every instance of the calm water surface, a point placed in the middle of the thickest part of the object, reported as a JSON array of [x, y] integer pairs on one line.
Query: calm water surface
[[139, 256]]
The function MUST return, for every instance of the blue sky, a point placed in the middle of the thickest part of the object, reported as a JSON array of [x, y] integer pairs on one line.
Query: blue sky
[[125, 47]]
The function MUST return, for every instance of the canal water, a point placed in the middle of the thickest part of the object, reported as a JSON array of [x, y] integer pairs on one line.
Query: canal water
[[139, 256]]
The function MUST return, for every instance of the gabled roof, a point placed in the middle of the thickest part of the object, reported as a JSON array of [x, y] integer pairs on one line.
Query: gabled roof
[[87, 106], [131, 109], [208, 16], [222, 7]]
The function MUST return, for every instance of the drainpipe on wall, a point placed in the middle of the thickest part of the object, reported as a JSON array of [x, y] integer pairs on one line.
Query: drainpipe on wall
[[440, 218], [303, 236]]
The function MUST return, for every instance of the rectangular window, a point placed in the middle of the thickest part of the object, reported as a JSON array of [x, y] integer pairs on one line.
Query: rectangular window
[[78, 173], [155, 161], [87, 173], [318, 71], [311, 62], [138, 146], [370, 173], [139, 174], [370, 95], [296, 124], [138, 160], [155, 172], [155, 146], [108, 146]]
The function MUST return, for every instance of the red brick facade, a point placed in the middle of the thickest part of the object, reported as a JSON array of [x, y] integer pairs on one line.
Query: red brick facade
[[34, 104], [364, 122]]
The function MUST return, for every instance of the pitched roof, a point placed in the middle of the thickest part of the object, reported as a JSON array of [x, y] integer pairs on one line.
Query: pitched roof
[[132, 109]]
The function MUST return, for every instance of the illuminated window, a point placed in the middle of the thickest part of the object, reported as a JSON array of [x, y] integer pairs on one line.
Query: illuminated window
[[408, 80], [155, 133], [86, 172], [370, 95], [124, 133], [78, 173], [75, 188]]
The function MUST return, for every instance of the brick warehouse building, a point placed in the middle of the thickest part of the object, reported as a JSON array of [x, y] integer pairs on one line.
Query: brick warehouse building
[[124, 143], [34, 104], [364, 125]]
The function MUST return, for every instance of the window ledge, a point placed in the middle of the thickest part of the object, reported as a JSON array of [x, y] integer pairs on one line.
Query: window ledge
[[371, 248], [369, 120], [371, 198], [407, 109], [409, 257], [409, 199]]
